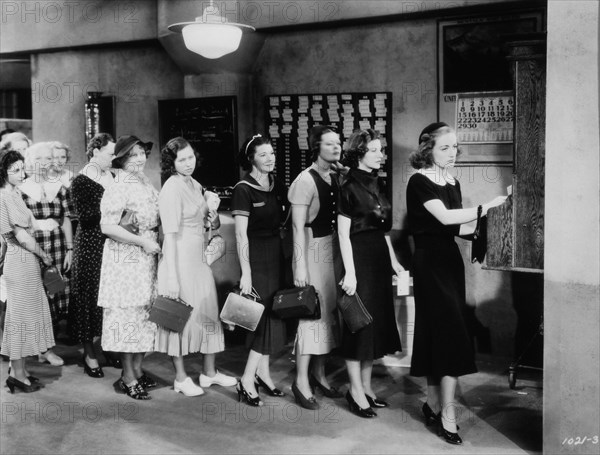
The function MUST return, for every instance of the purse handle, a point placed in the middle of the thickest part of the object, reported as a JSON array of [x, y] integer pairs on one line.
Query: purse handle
[[253, 293]]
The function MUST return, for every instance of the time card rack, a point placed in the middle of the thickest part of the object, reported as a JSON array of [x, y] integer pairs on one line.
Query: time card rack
[[290, 117]]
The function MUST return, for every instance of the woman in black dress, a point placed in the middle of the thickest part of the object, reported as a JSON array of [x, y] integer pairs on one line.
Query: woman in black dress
[[87, 188], [259, 205], [442, 349], [364, 217]]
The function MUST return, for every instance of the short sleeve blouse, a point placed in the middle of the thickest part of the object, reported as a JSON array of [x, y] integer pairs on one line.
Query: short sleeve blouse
[[265, 208], [181, 205], [421, 189], [13, 213], [363, 200]]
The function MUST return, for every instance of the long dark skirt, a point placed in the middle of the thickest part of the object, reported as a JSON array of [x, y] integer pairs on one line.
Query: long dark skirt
[[374, 286], [441, 344], [267, 265]]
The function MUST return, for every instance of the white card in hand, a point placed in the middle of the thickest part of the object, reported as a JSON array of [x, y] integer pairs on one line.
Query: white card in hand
[[403, 283]]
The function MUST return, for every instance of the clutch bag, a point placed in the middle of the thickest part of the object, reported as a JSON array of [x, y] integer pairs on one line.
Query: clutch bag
[[353, 311], [300, 302], [172, 314], [242, 310], [53, 280], [129, 222]]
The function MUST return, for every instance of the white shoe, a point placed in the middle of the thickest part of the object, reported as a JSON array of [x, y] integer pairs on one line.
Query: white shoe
[[188, 388], [51, 358], [219, 379]]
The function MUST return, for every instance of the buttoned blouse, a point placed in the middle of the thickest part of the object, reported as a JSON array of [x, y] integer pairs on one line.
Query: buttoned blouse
[[363, 200]]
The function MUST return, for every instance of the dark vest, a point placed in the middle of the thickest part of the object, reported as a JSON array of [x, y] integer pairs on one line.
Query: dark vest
[[325, 222]]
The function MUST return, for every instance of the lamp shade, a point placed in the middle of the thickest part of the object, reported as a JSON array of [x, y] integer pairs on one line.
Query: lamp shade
[[212, 40]]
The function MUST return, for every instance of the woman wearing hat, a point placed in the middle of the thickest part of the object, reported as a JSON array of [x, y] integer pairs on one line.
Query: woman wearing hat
[[87, 189], [259, 205], [128, 274], [313, 196], [442, 349], [364, 218]]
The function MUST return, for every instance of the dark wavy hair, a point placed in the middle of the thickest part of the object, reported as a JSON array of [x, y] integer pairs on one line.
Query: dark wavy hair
[[422, 158], [7, 159], [97, 142], [356, 146], [248, 150], [314, 139], [168, 155]]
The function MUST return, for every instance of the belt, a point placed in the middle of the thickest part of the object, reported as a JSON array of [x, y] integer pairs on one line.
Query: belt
[[46, 224]]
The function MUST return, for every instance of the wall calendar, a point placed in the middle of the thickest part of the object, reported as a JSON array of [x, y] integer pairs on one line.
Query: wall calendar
[[289, 118], [485, 117]]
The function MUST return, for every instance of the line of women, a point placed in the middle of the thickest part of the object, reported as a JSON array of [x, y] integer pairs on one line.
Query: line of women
[[340, 218]]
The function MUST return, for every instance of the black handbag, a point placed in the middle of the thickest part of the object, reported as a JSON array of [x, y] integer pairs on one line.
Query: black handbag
[[129, 222], [172, 314], [53, 280], [301, 303], [479, 239], [353, 311]]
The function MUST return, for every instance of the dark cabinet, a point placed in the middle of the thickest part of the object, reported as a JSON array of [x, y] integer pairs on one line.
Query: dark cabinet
[[516, 228]]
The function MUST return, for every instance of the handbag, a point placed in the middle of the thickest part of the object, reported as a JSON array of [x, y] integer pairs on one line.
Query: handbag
[[479, 240], [300, 302], [215, 248], [353, 311], [172, 314], [53, 280], [129, 222], [242, 310]]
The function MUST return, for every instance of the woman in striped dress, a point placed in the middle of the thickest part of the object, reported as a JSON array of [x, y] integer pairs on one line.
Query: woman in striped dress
[[49, 202], [28, 326]]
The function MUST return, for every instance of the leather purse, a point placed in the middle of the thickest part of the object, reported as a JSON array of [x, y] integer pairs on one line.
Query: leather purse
[[53, 280], [129, 222], [300, 302], [172, 314], [353, 311], [479, 238], [215, 248], [242, 310]]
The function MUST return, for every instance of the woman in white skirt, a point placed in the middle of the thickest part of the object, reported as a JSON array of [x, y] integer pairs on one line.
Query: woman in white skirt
[[313, 196], [128, 274], [183, 271]]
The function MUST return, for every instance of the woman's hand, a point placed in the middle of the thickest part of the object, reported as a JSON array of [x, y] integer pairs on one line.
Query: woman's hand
[[68, 260], [46, 259], [212, 216], [300, 276], [172, 288], [246, 284], [397, 267], [494, 203], [150, 246], [349, 284]]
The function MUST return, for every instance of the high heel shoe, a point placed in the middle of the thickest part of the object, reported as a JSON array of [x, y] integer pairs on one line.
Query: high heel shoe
[[11, 383], [135, 391], [430, 416], [449, 437], [92, 372], [147, 382], [376, 402], [31, 378], [275, 392], [356, 409], [307, 403], [243, 395], [332, 392]]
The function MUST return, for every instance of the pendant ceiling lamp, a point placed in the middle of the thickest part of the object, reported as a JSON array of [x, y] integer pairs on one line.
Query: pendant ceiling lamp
[[211, 35]]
